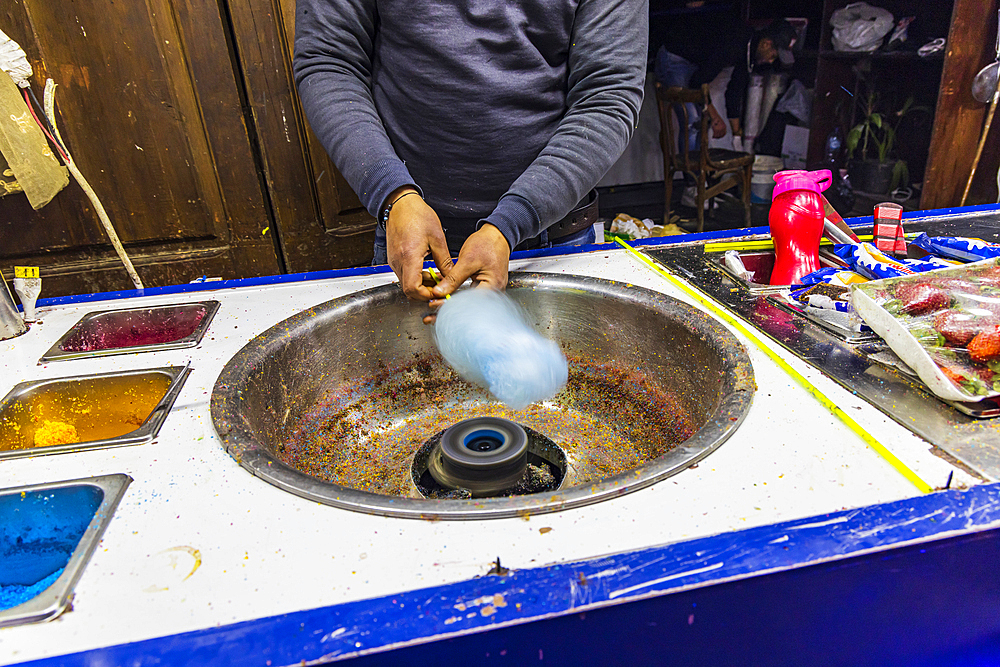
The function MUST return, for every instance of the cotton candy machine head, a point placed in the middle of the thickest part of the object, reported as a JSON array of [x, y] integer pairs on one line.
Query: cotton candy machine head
[[349, 404], [487, 456]]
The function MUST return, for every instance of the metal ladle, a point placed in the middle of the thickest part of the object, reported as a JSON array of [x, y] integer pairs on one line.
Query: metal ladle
[[985, 83], [985, 86]]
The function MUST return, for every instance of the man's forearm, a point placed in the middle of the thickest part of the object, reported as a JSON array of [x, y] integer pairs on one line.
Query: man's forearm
[[332, 67]]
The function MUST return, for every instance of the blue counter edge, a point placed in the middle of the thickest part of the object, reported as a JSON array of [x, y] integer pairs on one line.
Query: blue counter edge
[[529, 595], [526, 254]]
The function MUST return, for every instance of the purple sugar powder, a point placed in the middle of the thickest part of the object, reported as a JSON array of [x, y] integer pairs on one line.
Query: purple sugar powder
[[131, 328]]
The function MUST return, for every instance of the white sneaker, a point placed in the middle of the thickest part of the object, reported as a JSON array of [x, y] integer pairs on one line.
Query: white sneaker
[[688, 198]]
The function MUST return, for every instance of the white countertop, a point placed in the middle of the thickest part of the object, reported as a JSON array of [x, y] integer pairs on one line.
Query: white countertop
[[264, 551]]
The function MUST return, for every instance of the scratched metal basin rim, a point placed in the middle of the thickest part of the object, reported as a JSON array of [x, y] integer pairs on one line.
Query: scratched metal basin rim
[[366, 341]]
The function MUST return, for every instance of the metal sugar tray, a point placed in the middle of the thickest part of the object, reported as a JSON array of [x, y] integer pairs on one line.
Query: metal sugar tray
[[148, 329], [88, 411], [48, 533]]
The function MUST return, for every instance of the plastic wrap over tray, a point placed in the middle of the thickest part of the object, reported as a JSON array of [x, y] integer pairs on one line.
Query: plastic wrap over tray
[[945, 324]]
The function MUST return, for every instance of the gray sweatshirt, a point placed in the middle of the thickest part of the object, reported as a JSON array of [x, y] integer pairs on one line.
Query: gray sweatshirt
[[503, 112]]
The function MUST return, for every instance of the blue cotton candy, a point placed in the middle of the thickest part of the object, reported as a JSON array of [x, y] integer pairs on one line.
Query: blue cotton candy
[[484, 337]]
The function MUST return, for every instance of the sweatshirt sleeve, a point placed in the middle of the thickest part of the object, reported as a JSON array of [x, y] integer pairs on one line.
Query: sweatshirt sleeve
[[332, 64], [607, 69]]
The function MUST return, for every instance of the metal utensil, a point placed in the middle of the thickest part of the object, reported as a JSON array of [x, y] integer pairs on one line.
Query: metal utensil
[[11, 322], [982, 142], [834, 227], [836, 234], [984, 85]]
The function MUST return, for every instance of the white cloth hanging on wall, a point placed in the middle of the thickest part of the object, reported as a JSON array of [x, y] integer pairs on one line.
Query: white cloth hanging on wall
[[14, 61], [642, 161]]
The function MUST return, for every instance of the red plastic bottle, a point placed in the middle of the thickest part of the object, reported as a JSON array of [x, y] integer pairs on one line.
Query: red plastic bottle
[[796, 220]]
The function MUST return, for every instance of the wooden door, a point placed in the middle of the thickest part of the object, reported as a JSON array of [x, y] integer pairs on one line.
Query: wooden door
[[149, 104], [321, 222]]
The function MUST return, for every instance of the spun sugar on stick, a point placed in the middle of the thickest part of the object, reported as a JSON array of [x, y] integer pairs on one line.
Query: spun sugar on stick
[[484, 337]]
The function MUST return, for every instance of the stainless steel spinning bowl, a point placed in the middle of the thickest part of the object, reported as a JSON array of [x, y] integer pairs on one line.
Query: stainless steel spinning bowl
[[331, 403]]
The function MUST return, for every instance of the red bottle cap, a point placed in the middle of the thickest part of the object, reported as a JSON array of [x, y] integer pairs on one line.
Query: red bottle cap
[[796, 179]]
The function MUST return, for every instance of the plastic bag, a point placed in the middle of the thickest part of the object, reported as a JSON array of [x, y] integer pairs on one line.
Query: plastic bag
[[633, 228], [483, 335], [796, 101], [860, 27], [14, 61], [945, 325], [958, 248]]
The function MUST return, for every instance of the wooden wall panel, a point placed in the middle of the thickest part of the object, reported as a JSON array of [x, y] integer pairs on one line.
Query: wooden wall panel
[[959, 117], [149, 105], [123, 120]]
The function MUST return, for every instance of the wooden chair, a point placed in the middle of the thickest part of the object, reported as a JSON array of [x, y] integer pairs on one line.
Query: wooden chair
[[733, 168]]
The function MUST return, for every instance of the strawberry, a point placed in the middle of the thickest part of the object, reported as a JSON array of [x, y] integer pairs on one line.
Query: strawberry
[[951, 375], [918, 298], [961, 285], [988, 280], [985, 346], [986, 373], [959, 327]]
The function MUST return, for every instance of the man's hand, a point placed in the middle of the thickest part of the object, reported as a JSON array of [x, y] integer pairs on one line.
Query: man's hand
[[484, 257], [412, 231], [718, 124], [734, 123]]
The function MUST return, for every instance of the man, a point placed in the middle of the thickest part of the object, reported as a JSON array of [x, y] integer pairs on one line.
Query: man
[[697, 47], [469, 125]]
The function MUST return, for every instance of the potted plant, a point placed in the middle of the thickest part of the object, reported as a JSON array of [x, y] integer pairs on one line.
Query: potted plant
[[875, 170]]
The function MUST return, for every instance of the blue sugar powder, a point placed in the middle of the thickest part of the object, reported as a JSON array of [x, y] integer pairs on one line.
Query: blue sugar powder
[[14, 594]]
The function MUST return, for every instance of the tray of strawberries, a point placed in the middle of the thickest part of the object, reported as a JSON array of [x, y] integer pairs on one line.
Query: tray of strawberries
[[945, 324]]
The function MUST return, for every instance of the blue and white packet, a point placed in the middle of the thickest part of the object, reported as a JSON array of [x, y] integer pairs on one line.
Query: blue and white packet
[[870, 262], [959, 248], [832, 275], [484, 337], [826, 303]]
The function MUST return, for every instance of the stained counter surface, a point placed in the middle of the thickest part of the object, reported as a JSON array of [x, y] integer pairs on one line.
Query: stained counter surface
[[198, 542]]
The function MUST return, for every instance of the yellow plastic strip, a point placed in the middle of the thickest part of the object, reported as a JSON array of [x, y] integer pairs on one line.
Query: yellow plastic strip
[[437, 278], [760, 244], [889, 457]]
